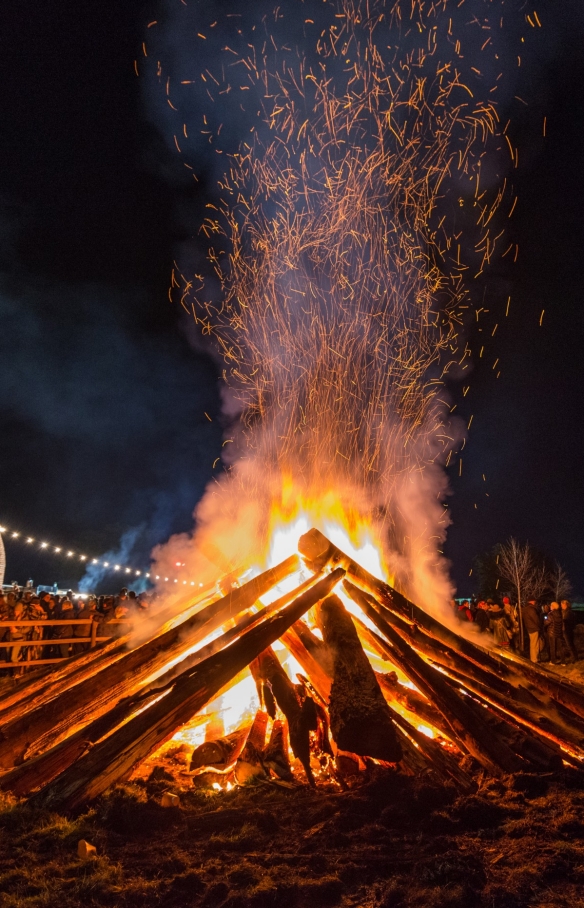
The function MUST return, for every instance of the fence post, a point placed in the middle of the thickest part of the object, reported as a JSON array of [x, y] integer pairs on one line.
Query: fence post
[[93, 634]]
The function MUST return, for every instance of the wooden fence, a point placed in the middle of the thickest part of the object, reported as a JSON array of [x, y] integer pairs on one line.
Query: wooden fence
[[93, 639]]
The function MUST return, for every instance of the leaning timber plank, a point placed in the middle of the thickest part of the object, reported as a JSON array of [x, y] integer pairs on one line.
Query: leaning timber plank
[[546, 725], [42, 769], [319, 551], [443, 763], [413, 702], [301, 716], [532, 710], [37, 730], [115, 757], [39, 770], [31, 691], [360, 718], [521, 674], [562, 690], [470, 733], [320, 680]]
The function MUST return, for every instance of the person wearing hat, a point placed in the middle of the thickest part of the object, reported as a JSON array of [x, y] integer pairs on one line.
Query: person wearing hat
[[531, 619]]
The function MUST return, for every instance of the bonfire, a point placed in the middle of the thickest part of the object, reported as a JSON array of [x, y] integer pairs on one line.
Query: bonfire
[[380, 685]]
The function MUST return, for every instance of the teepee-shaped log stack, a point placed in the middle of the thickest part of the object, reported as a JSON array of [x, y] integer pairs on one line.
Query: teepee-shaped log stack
[[67, 736]]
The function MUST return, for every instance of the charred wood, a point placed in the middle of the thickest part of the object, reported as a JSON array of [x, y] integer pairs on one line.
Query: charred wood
[[46, 725], [267, 668], [469, 733], [359, 716], [114, 758]]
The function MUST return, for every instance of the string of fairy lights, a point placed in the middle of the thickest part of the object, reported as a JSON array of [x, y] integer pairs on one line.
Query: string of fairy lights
[[73, 555]]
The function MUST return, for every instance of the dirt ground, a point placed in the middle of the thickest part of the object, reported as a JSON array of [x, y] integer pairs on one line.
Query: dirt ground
[[388, 842]]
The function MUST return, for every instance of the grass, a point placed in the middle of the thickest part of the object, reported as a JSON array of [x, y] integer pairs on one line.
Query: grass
[[390, 843]]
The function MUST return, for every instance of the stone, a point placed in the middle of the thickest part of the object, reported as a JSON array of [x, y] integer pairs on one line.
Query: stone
[[85, 850]]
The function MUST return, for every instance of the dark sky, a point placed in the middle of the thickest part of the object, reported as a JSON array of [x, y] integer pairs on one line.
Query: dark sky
[[103, 399]]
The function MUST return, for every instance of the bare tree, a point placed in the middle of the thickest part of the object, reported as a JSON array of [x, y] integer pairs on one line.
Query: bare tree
[[559, 584], [520, 566]]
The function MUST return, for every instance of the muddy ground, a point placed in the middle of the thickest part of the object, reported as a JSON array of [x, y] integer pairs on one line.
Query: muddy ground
[[389, 842]]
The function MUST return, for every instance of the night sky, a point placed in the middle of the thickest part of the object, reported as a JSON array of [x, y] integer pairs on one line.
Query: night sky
[[110, 419]]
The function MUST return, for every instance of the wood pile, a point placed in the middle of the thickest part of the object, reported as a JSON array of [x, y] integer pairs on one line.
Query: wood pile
[[382, 682]]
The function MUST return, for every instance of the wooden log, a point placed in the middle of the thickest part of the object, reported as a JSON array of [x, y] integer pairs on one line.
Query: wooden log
[[42, 769], [318, 551], [221, 753], [39, 770], [541, 756], [413, 702], [249, 765], [114, 758], [276, 754], [319, 678], [444, 764], [522, 706], [470, 734], [536, 720], [301, 720], [359, 716], [39, 729], [33, 690]]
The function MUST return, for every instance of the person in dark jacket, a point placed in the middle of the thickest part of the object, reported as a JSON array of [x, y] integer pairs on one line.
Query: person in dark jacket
[[482, 617], [463, 612], [511, 613], [84, 630], [63, 631], [500, 626], [556, 633], [532, 623], [568, 632]]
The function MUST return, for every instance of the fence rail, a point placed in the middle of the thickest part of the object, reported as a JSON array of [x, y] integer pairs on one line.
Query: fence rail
[[25, 644]]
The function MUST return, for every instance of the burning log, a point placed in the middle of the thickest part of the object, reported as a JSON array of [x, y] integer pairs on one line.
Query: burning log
[[300, 716], [443, 763], [528, 713], [276, 754], [295, 642], [515, 703], [38, 771], [37, 730], [249, 765], [413, 702], [33, 690], [318, 551], [360, 719], [114, 758], [469, 732], [220, 754], [42, 769]]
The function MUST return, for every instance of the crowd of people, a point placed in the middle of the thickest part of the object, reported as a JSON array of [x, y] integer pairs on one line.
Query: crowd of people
[[111, 614], [548, 628]]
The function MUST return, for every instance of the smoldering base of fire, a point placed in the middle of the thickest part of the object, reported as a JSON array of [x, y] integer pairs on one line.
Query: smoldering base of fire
[[379, 682]]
